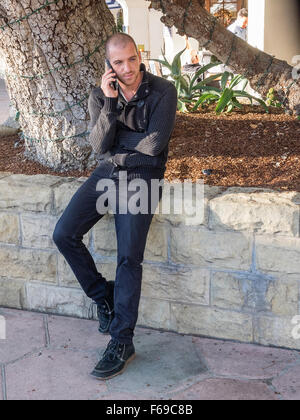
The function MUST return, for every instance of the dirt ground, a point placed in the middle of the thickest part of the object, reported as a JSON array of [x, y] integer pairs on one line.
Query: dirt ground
[[243, 149]]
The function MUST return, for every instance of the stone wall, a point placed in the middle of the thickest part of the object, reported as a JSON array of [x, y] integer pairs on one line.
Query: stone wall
[[233, 275]]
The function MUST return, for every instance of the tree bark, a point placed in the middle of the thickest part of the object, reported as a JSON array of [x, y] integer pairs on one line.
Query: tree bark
[[262, 70], [54, 54]]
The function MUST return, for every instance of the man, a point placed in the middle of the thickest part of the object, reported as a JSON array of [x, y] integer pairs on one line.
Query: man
[[130, 130], [191, 57], [239, 27]]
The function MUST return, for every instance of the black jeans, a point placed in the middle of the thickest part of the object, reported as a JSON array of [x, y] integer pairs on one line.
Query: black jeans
[[131, 230]]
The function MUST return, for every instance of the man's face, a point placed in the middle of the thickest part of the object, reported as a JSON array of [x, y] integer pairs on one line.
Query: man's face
[[125, 62]]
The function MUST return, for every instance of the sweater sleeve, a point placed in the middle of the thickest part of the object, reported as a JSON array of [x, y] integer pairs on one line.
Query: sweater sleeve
[[103, 123], [162, 120]]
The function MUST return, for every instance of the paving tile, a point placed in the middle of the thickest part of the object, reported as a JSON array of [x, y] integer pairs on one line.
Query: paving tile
[[288, 384], [24, 333], [115, 395], [54, 375], [167, 365], [244, 360], [163, 360], [75, 333], [226, 389], [80, 333]]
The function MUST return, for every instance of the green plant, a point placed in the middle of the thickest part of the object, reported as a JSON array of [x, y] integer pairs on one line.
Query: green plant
[[188, 88], [192, 94], [226, 97], [272, 99]]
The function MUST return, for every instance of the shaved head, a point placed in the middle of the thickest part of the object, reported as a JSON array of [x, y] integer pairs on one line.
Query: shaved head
[[119, 40], [125, 59]]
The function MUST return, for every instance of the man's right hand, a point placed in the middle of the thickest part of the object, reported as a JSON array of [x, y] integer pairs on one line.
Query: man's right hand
[[108, 77]]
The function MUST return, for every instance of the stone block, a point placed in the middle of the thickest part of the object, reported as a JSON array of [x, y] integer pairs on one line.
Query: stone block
[[25, 264], [259, 212], [27, 192], [57, 300], [9, 228], [276, 331], [180, 206], [255, 292], [283, 297], [5, 174], [157, 243], [12, 293], [278, 254], [105, 239], [107, 269], [64, 191], [179, 284], [37, 231], [211, 322], [205, 248], [227, 291], [65, 275], [154, 313]]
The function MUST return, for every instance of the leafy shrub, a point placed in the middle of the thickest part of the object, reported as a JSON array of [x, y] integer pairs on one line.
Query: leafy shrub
[[193, 93], [188, 88], [226, 97]]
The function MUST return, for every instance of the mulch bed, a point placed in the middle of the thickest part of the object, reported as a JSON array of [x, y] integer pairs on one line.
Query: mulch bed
[[244, 149]]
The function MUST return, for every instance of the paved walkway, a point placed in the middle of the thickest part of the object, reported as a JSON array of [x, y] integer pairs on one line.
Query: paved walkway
[[47, 357]]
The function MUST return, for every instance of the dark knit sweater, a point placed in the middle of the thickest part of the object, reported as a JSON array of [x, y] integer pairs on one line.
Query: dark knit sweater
[[134, 135]]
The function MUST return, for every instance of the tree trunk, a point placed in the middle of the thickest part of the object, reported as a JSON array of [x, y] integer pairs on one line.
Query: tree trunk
[[262, 70], [54, 55]]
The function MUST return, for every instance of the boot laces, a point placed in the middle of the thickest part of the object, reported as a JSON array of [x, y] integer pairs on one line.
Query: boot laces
[[104, 308], [113, 350]]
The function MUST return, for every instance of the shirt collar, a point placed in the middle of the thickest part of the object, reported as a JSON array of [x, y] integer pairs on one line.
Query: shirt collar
[[143, 89]]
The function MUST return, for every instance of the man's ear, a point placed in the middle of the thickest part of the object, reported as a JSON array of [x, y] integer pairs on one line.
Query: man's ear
[[139, 55]]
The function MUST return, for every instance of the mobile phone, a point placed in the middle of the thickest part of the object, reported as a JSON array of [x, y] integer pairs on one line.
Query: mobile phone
[[114, 84]]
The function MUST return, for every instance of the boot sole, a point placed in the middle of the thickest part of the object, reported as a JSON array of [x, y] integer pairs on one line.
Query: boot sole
[[117, 373]]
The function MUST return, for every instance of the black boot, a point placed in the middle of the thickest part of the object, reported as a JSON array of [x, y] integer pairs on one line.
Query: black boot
[[105, 310], [114, 360]]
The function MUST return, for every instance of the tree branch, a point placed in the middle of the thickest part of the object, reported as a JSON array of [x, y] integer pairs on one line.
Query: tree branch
[[261, 69]]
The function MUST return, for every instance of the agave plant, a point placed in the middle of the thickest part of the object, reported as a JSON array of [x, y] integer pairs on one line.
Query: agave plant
[[188, 88], [226, 97]]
